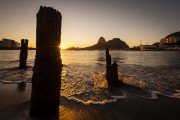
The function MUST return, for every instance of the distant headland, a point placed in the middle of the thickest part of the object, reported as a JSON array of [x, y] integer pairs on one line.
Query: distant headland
[[170, 42], [114, 44]]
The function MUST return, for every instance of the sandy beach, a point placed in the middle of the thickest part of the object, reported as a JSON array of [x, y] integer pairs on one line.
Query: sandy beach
[[14, 105]]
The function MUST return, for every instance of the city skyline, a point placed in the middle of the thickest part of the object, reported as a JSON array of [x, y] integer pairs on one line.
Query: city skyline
[[84, 22]]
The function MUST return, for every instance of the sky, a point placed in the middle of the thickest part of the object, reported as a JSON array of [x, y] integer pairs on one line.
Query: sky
[[85, 21]]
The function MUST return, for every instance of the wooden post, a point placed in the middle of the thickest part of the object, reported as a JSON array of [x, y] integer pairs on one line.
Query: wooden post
[[23, 54], [108, 64], [111, 72], [113, 75], [46, 78]]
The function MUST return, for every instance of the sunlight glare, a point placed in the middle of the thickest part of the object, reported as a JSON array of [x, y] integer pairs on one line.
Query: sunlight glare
[[61, 47]]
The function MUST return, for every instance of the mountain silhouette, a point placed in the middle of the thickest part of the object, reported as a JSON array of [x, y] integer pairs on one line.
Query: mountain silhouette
[[101, 40], [175, 34], [114, 44]]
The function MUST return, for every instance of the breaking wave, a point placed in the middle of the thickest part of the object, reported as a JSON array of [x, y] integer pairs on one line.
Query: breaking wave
[[86, 83]]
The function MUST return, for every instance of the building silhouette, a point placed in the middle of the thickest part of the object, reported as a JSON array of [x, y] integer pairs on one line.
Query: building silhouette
[[8, 43]]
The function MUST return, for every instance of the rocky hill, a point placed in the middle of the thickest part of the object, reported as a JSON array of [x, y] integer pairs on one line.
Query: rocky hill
[[101, 40], [114, 44], [175, 34]]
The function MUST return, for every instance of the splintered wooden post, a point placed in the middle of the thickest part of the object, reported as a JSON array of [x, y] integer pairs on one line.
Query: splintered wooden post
[[108, 64], [23, 54], [111, 72], [46, 78]]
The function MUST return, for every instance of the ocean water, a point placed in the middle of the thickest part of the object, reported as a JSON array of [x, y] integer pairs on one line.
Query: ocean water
[[146, 74]]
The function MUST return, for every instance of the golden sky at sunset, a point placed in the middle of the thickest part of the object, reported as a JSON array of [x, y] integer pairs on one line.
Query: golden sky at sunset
[[84, 21]]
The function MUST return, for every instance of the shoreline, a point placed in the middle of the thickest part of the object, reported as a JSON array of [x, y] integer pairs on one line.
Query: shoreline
[[96, 50], [14, 104], [16, 48]]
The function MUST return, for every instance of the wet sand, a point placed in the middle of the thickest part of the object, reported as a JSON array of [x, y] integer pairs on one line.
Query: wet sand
[[14, 105]]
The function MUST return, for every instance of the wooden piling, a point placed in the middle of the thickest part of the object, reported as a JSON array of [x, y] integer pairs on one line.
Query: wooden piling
[[111, 71], [108, 65], [46, 78], [113, 75], [23, 54]]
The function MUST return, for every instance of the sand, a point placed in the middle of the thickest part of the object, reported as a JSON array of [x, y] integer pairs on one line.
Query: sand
[[14, 105]]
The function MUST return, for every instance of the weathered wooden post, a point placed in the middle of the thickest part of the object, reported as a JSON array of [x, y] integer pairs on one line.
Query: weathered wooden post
[[23, 54], [46, 78], [113, 75], [108, 64], [111, 71]]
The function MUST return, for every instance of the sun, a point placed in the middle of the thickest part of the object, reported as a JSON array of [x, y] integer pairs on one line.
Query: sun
[[61, 46]]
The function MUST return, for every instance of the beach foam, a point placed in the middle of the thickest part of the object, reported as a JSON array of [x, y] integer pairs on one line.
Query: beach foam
[[109, 99], [177, 94], [86, 83]]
